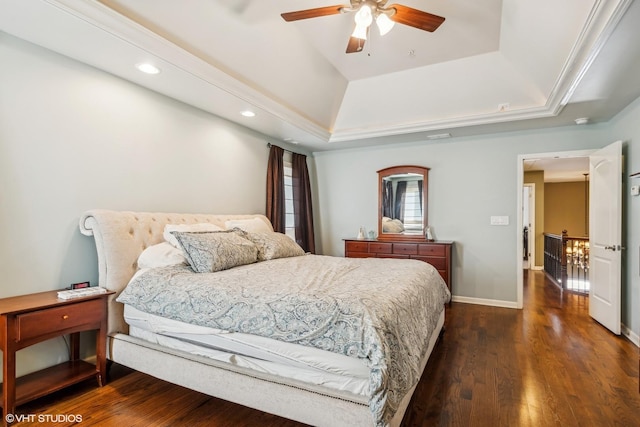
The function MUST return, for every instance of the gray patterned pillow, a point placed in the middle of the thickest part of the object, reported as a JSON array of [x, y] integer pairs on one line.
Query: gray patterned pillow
[[218, 250], [272, 245]]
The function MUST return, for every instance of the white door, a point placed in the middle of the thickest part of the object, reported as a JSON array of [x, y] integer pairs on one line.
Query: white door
[[605, 235]]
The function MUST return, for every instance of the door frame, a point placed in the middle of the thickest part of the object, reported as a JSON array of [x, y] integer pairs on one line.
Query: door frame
[[532, 222], [519, 224]]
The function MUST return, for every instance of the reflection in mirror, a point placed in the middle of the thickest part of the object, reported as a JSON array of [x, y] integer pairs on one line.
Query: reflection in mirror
[[403, 209]]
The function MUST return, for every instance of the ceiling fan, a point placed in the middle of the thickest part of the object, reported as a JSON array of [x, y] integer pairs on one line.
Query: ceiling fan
[[368, 10]]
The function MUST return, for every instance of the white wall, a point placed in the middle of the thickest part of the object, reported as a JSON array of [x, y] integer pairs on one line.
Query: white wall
[[73, 138], [625, 126]]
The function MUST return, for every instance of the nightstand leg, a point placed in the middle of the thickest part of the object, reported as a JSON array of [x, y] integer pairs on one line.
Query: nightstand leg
[[74, 346], [8, 372], [101, 350]]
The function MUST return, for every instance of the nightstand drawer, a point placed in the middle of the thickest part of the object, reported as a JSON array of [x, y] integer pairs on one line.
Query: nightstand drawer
[[51, 320]]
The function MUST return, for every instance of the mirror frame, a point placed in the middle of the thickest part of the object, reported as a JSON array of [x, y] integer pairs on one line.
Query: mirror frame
[[420, 170]]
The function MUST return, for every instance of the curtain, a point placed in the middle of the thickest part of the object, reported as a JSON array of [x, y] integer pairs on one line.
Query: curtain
[[303, 212], [275, 189], [401, 189], [420, 195], [387, 199]]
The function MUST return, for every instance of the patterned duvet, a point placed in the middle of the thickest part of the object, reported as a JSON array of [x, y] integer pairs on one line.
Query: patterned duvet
[[380, 310]]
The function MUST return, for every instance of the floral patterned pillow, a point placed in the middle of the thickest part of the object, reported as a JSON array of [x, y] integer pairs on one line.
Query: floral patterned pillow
[[214, 251], [272, 245]]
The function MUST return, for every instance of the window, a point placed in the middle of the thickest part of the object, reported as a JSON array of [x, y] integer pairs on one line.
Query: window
[[412, 207], [288, 201]]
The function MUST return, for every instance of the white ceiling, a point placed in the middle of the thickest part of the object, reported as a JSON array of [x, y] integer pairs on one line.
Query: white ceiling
[[565, 169], [493, 65]]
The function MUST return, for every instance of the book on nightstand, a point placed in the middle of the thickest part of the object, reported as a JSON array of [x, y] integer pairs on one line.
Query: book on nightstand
[[80, 293]]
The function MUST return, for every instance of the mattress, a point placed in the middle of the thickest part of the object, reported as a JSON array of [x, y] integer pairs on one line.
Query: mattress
[[262, 354]]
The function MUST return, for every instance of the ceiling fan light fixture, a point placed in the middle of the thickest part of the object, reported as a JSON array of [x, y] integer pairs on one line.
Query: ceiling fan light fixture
[[365, 12], [364, 16], [360, 32], [384, 23], [363, 19]]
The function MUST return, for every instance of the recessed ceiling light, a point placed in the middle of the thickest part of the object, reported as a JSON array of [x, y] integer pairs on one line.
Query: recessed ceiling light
[[248, 113], [582, 120], [148, 68]]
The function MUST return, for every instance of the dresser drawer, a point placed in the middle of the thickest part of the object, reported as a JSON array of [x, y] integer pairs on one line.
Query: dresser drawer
[[438, 263], [51, 320], [381, 248], [357, 247], [405, 248], [445, 277], [436, 250], [360, 255], [393, 256]]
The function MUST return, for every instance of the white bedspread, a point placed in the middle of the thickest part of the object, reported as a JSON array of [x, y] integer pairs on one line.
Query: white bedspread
[[380, 310]]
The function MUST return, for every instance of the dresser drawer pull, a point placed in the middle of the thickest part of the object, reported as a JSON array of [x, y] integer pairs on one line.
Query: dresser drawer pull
[[65, 317]]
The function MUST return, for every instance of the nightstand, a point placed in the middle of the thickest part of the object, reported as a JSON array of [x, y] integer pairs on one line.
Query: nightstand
[[29, 319]]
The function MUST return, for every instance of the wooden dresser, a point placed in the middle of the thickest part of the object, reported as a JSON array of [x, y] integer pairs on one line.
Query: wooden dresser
[[436, 253]]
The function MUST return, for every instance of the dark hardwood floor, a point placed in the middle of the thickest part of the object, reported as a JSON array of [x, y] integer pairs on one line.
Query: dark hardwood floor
[[546, 365]]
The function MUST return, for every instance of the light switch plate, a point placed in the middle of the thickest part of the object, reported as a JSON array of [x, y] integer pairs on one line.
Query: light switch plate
[[499, 220]]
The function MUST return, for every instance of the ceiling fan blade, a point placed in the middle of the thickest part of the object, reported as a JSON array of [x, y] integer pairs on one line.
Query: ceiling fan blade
[[416, 18], [312, 13], [355, 45]]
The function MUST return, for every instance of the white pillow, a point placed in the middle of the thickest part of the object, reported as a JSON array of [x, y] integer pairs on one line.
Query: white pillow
[[186, 228], [161, 255], [253, 225]]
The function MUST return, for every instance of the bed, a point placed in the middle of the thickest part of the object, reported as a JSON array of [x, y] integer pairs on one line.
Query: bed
[[321, 379]]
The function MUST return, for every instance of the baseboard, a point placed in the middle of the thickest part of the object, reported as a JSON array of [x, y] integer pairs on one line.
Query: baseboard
[[632, 336], [483, 301]]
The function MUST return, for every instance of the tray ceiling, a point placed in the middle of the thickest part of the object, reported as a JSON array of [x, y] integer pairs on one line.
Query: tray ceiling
[[493, 65]]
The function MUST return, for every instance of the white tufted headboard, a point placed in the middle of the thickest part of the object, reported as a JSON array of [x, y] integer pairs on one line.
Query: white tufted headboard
[[121, 236]]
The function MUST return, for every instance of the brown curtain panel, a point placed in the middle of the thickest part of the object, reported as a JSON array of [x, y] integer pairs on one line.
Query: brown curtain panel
[[302, 203], [401, 191], [275, 189], [387, 199]]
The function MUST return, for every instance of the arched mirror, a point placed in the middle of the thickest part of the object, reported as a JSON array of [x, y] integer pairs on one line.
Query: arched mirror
[[402, 202]]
